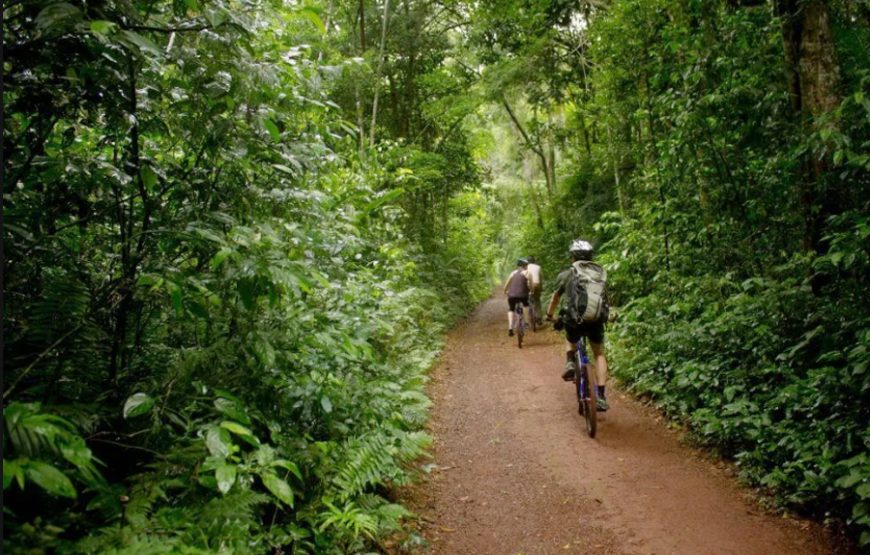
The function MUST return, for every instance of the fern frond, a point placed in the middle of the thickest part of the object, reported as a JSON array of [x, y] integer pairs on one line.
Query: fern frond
[[116, 542], [237, 505], [369, 461], [349, 520], [388, 515]]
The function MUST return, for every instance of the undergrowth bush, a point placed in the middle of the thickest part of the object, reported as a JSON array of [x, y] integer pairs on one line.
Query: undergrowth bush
[[223, 349], [765, 372], [285, 393]]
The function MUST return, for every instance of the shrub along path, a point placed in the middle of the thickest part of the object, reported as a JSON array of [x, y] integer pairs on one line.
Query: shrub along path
[[516, 473]]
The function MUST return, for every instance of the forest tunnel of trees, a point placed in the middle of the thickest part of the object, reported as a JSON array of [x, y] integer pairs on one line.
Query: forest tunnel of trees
[[235, 232]]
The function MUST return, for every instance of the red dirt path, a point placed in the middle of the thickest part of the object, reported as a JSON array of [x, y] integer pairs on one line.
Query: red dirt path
[[516, 474]]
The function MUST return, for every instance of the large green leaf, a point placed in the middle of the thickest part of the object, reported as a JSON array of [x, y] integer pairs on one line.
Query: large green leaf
[[135, 41], [49, 478], [278, 487], [218, 442], [233, 409], [13, 469], [311, 15], [102, 27], [226, 477], [149, 177], [272, 129], [58, 17], [241, 431], [137, 405], [76, 452], [287, 465]]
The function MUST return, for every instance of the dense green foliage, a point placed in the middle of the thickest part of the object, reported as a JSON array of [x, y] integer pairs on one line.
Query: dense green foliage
[[736, 228], [235, 232], [221, 297]]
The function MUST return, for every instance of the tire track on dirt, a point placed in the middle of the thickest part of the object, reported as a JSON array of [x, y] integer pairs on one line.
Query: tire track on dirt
[[516, 474]]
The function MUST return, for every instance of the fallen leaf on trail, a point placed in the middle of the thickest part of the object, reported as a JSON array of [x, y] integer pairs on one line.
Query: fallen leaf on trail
[[465, 498]]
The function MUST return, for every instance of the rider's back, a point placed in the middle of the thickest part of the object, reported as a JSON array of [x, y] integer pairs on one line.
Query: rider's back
[[585, 285], [518, 284]]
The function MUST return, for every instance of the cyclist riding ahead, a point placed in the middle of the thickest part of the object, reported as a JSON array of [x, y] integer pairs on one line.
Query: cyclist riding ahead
[[534, 272], [517, 290], [585, 311]]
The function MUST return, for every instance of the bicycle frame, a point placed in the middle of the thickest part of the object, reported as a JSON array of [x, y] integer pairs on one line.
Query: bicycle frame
[[582, 361], [586, 394]]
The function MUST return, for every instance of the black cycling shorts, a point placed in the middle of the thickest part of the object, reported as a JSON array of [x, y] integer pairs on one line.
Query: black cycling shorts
[[513, 301], [593, 330]]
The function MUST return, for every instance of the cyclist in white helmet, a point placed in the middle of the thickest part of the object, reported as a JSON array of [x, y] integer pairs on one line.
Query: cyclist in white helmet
[[581, 252]]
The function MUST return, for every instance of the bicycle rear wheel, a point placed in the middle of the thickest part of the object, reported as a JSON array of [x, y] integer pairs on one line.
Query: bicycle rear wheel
[[588, 401], [521, 326]]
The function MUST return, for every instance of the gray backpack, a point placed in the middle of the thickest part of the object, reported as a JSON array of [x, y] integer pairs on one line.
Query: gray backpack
[[586, 294]]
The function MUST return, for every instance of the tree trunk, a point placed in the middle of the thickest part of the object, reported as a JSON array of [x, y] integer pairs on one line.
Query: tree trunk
[[551, 157], [819, 71], [386, 18], [813, 79], [651, 154], [586, 142], [360, 120], [362, 26], [539, 217], [395, 108], [615, 163]]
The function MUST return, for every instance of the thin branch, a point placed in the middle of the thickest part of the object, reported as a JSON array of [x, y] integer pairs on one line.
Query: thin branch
[[34, 150], [125, 446], [449, 132], [96, 435], [535, 148], [167, 30], [40, 357]]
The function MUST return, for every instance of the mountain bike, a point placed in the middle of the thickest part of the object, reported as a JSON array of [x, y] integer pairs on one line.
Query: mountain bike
[[587, 390], [519, 324]]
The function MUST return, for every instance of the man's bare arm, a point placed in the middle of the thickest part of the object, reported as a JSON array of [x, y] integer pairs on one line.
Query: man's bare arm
[[554, 302]]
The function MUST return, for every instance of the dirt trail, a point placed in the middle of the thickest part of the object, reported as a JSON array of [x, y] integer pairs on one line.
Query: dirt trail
[[516, 473]]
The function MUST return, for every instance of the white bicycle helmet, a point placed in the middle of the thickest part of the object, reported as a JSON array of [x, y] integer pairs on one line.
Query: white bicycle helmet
[[581, 249]]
